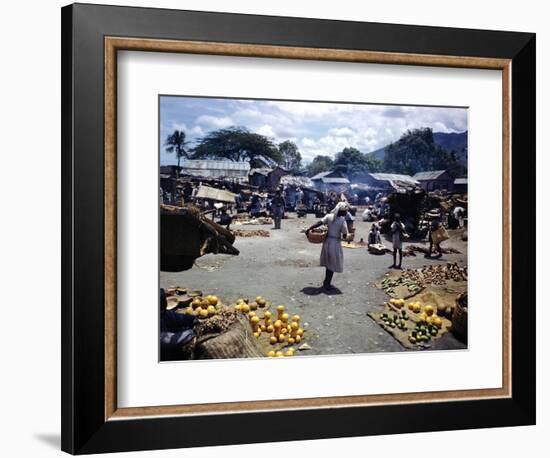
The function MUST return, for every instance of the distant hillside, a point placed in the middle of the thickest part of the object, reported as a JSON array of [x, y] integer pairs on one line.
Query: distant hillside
[[450, 141], [457, 142]]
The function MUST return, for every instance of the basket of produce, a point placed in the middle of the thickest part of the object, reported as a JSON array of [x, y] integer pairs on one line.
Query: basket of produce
[[460, 317], [316, 235]]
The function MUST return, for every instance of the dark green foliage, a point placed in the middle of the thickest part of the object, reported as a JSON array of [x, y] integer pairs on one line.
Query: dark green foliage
[[319, 164], [454, 142], [352, 163], [238, 144], [176, 143], [416, 151], [291, 157]]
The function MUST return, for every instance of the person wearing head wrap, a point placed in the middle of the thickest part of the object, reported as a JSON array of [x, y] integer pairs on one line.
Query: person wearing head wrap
[[332, 254]]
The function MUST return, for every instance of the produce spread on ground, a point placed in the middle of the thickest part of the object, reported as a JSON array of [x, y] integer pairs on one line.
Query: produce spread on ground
[[422, 303], [275, 332]]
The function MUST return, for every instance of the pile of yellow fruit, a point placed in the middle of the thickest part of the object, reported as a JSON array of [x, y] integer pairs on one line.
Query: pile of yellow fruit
[[204, 307], [427, 314], [281, 329], [397, 302], [428, 326]]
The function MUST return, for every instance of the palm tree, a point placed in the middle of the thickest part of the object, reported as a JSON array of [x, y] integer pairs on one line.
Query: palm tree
[[176, 143]]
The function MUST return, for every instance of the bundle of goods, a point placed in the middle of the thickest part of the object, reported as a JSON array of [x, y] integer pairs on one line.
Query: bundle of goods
[[440, 235], [460, 317], [254, 233], [202, 236], [411, 250], [260, 220], [350, 244], [220, 331], [378, 248]]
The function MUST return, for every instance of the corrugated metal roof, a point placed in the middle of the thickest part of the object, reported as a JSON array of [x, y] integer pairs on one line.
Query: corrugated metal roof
[[335, 180], [431, 175], [461, 180], [320, 175], [261, 171], [296, 181], [199, 164], [393, 177]]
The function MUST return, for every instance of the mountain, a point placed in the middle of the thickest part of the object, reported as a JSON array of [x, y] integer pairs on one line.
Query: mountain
[[452, 141], [457, 142]]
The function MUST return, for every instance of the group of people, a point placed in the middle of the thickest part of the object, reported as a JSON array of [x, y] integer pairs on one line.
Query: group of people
[[332, 253]]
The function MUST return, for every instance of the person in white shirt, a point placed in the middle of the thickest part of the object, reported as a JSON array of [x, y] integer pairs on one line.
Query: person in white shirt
[[398, 233]]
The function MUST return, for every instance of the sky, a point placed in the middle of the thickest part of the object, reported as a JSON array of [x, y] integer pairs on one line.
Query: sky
[[316, 128]]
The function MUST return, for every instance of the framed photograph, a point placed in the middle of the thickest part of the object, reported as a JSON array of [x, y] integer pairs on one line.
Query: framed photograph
[[270, 222]]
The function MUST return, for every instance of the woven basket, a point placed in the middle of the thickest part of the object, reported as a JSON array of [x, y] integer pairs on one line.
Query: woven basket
[[316, 237], [460, 317]]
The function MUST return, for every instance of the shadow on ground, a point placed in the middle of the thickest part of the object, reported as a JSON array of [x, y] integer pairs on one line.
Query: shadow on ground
[[51, 439], [316, 290]]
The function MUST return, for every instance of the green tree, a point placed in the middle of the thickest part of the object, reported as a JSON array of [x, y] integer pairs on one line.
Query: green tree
[[291, 157], [352, 163], [416, 151], [176, 143], [238, 144], [319, 164]]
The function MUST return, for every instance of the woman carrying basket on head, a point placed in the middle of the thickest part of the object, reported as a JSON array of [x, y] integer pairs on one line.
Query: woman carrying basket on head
[[332, 254]]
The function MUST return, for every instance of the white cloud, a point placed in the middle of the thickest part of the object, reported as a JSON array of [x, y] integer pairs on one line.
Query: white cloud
[[217, 122], [266, 130], [341, 132], [197, 131]]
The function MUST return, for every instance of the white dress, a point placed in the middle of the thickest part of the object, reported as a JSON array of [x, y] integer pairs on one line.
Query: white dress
[[332, 254]]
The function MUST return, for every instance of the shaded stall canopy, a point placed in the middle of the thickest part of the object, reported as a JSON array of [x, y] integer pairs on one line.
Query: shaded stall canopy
[[186, 235], [219, 195], [409, 203], [390, 181], [265, 177]]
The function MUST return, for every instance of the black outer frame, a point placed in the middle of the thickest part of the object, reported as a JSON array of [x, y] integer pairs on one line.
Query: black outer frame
[[84, 429]]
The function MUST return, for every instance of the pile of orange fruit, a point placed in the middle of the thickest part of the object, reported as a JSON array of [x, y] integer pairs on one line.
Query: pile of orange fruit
[[204, 307], [280, 329]]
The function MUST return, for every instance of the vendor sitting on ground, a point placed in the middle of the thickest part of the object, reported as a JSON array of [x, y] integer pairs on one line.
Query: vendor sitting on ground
[[398, 233], [332, 254], [374, 236], [225, 218], [176, 330]]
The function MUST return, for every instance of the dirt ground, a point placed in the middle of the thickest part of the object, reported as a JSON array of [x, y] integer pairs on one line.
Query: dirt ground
[[284, 268]]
